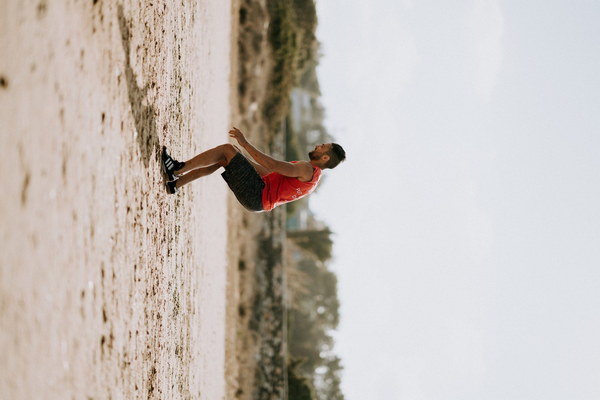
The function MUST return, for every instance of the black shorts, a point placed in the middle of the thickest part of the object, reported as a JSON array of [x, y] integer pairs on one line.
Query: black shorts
[[244, 182]]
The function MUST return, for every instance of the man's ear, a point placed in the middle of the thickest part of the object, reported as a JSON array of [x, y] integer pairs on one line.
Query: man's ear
[[325, 158]]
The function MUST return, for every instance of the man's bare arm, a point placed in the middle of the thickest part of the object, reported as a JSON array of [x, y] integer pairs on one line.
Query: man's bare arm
[[262, 171], [301, 170]]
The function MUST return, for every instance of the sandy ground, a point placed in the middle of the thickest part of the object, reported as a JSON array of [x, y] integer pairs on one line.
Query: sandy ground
[[109, 287]]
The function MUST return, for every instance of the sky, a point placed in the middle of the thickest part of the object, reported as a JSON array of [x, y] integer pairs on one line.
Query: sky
[[467, 214]]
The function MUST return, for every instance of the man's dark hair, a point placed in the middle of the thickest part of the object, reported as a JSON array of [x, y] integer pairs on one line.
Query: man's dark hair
[[336, 156]]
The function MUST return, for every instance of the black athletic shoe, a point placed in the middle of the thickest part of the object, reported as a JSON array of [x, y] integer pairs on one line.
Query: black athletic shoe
[[171, 187], [170, 165]]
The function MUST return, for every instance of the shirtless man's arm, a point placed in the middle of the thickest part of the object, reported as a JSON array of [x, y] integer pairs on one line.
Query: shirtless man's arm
[[302, 170]]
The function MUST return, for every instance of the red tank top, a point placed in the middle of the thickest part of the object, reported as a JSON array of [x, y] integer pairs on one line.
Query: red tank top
[[281, 189]]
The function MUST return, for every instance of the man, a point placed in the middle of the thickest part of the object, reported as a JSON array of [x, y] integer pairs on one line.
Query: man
[[259, 185]]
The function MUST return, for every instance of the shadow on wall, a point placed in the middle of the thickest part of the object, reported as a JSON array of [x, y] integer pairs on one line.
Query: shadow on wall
[[143, 115]]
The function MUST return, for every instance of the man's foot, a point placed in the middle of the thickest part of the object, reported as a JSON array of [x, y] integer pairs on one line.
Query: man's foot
[[172, 187], [170, 165]]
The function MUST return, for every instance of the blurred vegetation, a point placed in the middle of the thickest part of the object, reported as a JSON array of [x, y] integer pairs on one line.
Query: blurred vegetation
[[311, 320], [318, 241], [314, 371], [317, 314], [299, 388], [292, 152], [292, 37]]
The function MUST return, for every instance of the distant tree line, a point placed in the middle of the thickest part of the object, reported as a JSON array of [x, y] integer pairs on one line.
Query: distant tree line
[[292, 36], [314, 371], [314, 314]]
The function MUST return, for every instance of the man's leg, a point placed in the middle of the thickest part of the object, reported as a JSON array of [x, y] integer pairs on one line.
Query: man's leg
[[212, 159], [195, 174]]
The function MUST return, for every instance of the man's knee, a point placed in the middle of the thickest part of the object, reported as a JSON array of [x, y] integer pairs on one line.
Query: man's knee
[[229, 151]]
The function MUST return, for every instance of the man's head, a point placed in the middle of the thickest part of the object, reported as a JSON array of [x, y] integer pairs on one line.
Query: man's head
[[327, 155]]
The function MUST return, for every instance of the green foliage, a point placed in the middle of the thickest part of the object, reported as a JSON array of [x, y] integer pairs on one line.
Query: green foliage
[[292, 152], [299, 388], [292, 38], [283, 36], [294, 48], [317, 241], [311, 322], [332, 379], [306, 17], [309, 80], [292, 147], [309, 328]]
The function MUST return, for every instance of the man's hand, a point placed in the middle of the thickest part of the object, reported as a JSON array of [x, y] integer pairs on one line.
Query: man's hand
[[238, 135], [301, 170]]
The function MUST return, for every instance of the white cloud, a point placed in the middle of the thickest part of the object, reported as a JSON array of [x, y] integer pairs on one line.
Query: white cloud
[[385, 62], [408, 4], [367, 65], [487, 24]]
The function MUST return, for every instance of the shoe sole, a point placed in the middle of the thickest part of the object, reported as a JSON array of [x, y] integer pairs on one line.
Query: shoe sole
[[170, 175], [168, 186]]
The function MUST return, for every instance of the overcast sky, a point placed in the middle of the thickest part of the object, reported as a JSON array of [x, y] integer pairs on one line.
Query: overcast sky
[[467, 215]]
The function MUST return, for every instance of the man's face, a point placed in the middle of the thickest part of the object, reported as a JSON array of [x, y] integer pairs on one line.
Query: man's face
[[319, 151]]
